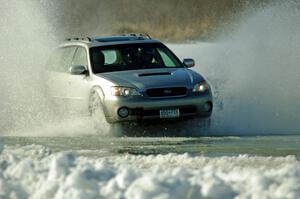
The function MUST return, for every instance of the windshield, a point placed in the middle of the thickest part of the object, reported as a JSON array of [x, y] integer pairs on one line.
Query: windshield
[[132, 57]]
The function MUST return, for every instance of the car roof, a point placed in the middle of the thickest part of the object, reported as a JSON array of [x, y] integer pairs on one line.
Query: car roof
[[111, 40]]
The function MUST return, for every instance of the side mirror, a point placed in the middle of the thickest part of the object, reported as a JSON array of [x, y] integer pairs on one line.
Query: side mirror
[[189, 63], [77, 70]]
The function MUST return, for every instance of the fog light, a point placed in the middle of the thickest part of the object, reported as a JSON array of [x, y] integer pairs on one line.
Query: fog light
[[123, 112], [207, 107]]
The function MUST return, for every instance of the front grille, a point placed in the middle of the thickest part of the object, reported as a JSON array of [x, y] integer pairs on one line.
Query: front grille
[[167, 92]]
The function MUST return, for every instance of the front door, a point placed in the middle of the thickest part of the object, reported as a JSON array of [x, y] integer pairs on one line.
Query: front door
[[79, 85]]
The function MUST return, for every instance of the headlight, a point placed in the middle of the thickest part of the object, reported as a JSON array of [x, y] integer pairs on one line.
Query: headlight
[[201, 87], [124, 91]]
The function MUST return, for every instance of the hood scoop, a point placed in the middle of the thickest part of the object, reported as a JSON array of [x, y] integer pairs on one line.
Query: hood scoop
[[154, 74]]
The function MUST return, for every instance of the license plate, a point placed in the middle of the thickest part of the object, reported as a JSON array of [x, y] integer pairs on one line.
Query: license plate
[[169, 113]]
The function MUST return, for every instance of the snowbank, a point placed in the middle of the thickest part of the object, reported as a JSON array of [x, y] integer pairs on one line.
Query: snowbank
[[35, 172]]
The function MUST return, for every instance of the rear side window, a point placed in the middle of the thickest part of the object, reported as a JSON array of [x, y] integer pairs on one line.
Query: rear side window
[[61, 59], [110, 56], [53, 61]]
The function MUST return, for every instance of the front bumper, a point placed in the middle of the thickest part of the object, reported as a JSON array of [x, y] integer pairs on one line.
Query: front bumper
[[143, 108]]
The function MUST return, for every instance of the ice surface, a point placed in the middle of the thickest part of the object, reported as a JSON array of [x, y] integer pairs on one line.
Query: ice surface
[[35, 171]]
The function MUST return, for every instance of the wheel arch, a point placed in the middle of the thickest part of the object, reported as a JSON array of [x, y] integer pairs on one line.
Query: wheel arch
[[99, 91]]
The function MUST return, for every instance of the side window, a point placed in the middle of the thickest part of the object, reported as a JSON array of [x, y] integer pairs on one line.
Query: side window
[[80, 57], [65, 60], [60, 60], [166, 59], [110, 56]]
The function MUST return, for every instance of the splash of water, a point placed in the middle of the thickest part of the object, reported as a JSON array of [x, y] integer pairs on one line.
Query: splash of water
[[25, 42], [28, 35], [255, 73]]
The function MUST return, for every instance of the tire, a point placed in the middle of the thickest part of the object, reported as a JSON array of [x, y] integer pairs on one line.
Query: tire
[[96, 111], [100, 122]]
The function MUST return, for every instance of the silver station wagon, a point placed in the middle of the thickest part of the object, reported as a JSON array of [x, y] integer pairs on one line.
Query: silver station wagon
[[126, 78]]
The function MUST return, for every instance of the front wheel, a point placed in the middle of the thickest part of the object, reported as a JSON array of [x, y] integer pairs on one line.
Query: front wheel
[[101, 124], [96, 112]]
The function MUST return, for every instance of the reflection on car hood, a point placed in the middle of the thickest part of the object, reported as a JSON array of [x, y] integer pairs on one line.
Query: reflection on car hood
[[154, 78]]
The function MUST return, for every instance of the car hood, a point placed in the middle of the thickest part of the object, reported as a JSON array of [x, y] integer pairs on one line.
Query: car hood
[[154, 78]]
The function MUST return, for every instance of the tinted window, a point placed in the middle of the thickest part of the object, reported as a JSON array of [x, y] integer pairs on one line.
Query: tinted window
[[132, 57], [110, 56]]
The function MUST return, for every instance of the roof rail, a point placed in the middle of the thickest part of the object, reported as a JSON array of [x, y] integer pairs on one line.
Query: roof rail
[[87, 39], [143, 35]]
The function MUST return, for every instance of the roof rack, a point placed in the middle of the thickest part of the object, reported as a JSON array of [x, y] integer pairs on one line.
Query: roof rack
[[87, 39], [142, 35]]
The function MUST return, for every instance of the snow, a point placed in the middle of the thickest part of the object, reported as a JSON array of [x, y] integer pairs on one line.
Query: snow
[[35, 171]]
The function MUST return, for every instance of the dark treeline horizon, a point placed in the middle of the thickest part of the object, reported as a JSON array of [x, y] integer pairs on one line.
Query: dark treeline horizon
[[170, 20]]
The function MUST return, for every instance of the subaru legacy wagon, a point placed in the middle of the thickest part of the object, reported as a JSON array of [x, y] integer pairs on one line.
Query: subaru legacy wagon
[[126, 78]]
